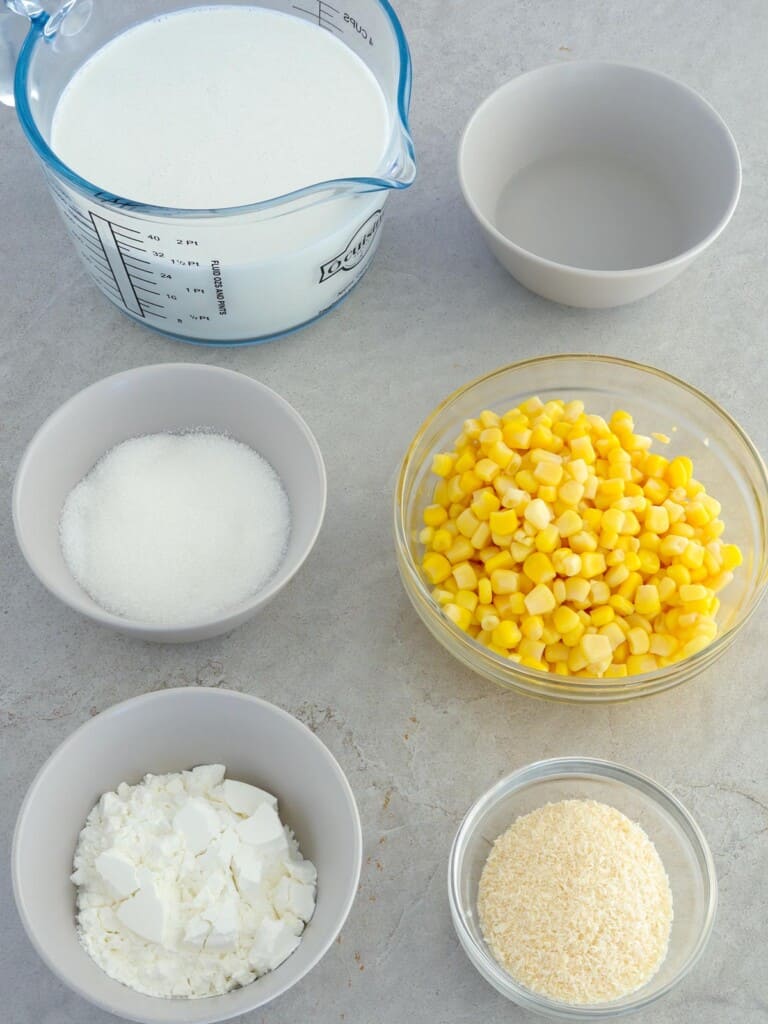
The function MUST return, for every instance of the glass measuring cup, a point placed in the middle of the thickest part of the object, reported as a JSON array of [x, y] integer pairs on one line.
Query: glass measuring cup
[[229, 276]]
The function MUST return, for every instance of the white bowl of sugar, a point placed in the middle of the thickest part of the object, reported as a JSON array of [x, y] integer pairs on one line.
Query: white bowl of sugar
[[170, 502]]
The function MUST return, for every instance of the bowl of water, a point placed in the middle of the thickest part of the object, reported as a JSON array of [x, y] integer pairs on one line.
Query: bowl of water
[[596, 183], [166, 400]]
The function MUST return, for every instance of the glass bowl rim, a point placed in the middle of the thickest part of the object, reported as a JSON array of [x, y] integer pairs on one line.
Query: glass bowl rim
[[575, 767], [535, 682]]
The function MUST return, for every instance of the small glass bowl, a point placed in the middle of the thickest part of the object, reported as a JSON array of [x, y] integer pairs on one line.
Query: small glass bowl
[[677, 837], [725, 460]]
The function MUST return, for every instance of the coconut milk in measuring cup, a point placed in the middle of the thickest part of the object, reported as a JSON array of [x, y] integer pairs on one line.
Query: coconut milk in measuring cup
[[222, 170]]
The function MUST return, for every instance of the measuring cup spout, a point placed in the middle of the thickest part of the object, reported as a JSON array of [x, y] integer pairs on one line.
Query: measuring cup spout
[[13, 32]]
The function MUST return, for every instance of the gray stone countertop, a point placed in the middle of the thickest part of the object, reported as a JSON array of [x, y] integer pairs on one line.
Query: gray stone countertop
[[419, 737]]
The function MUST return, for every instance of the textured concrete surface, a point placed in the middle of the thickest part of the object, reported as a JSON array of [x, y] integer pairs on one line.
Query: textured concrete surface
[[419, 737]]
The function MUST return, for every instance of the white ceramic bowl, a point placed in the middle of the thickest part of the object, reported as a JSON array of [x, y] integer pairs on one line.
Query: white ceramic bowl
[[595, 183], [151, 399], [169, 731]]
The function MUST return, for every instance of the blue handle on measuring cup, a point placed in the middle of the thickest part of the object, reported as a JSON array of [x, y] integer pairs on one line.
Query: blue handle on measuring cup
[[13, 32]]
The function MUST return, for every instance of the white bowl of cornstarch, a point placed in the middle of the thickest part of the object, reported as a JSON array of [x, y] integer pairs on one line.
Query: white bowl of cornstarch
[[170, 502]]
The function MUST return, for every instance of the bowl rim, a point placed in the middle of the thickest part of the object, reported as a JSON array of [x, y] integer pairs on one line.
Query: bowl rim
[[672, 262], [93, 610], [116, 710], [575, 767], [535, 682]]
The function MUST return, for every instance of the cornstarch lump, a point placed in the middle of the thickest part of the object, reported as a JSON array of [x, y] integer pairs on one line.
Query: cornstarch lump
[[175, 528], [189, 884], [575, 904]]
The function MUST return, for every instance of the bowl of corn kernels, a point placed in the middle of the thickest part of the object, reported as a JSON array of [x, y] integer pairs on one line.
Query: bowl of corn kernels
[[582, 528]]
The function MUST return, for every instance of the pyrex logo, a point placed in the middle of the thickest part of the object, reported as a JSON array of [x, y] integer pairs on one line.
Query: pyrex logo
[[354, 253]]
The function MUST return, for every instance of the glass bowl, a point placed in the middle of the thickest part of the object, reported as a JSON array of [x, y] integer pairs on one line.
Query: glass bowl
[[677, 837], [724, 458]]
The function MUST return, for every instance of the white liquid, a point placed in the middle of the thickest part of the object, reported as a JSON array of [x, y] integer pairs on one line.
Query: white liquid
[[221, 106]]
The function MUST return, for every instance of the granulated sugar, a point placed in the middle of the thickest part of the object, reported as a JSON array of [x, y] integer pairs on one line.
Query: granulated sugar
[[175, 528], [575, 903]]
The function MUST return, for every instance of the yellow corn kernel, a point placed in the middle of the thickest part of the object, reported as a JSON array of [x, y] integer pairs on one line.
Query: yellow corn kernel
[[531, 649], [466, 599], [550, 473], [502, 455], [487, 469], [461, 617], [484, 504], [504, 581], [595, 648], [442, 464], [533, 627], [480, 537], [581, 448], [583, 542], [527, 481], [538, 514], [460, 551], [426, 536], [638, 640], [435, 515], [465, 576], [505, 522], [539, 568], [615, 672], [592, 564], [571, 492], [663, 645], [442, 596], [616, 575], [506, 634], [436, 567], [577, 590], [569, 523], [667, 587], [547, 539], [614, 633], [565, 619], [442, 540], [647, 600], [566, 562], [470, 481], [732, 557], [484, 591], [678, 473], [620, 604], [637, 663], [649, 562], [593, 518], [489, 620], [690, 592], [502, 560], [490, 436], [693, 555], [602, 615], [540, 601]]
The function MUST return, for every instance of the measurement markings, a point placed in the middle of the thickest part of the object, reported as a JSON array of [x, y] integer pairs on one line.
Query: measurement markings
[[149, 291], [136, 259], [115, 259], [158, 315], [94, 250], [128, 245], [124, 227], [136, 276], [158, 305]]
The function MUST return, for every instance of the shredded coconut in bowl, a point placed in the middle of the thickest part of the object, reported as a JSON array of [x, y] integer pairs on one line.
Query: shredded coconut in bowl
[[575, 904]]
